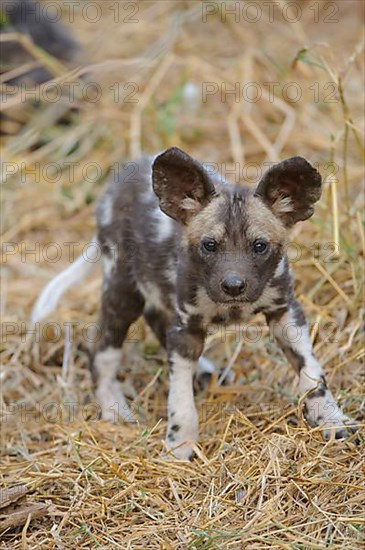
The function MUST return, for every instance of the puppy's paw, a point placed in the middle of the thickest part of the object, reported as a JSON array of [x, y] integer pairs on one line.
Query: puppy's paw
[[109, 392], [181, 439], [341, 427], [204, 374], [335, 424], [113, 404], [183, 452], [205, 366], [206, 369]]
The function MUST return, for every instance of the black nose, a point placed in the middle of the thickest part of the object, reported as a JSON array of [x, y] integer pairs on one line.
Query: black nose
[[233, 285]]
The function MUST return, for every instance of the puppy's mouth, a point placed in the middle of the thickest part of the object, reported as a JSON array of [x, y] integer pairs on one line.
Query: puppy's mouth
[[220, 299], [233, 301], [237, 300]]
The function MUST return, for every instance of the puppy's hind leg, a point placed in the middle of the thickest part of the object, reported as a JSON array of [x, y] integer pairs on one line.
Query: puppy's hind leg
[[122, 304]]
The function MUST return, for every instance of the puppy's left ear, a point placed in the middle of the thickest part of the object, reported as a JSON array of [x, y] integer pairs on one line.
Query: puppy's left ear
[[290, 189]]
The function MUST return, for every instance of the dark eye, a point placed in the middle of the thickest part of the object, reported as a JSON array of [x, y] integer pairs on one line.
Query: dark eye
[[260, 246], [210, 245]]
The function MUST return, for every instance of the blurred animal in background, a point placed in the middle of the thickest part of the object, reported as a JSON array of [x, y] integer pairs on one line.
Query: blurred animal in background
[[26, 18], [190, 251], [30, 35]]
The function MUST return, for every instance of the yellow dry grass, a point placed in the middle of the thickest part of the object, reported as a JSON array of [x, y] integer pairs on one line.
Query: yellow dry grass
[[263, 479]]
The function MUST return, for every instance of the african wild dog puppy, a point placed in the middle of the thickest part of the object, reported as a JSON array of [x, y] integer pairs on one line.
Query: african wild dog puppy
[[189, 251]]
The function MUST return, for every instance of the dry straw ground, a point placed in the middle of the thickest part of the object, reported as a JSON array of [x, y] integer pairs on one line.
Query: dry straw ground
[[263, 478]]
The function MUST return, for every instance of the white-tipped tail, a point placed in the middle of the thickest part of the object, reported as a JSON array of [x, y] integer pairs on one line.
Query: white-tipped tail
[[51, 295]]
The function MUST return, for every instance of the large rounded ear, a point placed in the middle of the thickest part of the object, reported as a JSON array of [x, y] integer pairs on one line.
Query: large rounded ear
[[181, 183], [290, 189]]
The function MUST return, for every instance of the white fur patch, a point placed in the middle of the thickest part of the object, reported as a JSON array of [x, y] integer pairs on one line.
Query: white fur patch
[[109, 264], [165, 227], [152, 295], [106, 210], [280, 267], [182, 411], [109, 392], [51, 295]]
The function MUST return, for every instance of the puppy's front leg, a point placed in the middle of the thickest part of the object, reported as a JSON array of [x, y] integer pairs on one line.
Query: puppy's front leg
[[184, 348], [291, 331]]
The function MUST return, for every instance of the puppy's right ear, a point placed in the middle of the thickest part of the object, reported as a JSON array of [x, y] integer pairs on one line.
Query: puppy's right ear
[[181, 183]]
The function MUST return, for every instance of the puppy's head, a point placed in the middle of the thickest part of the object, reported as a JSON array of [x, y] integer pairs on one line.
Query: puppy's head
[[234, 236]]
